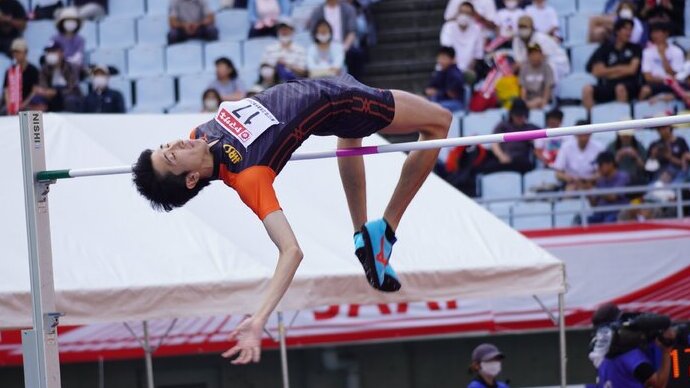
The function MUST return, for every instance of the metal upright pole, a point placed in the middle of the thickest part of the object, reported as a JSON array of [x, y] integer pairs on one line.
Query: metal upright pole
[[283, 351], [39, 344], [147, 352], [561, 339]]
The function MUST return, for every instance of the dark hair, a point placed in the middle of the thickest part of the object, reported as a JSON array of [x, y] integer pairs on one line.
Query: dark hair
[[211, 91], [519, 108], [466, 4], [633, 141], [446, 50], [582, 122], [316, 27], [555, 113], [163, 192], [660, 26], [226, 61], [621, 23], [606, 157]]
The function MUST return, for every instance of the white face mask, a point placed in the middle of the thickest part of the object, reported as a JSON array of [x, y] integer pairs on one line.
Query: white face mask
[[70, 25], [463, 20], [524, 33], [267, 73], [323, 38], [491, 368], [99, 81], [511, 4], [626, 13], [52, 58], [285, 39], [211, 104]]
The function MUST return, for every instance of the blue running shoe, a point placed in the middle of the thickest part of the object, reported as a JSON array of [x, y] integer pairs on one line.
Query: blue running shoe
[[373, 247]]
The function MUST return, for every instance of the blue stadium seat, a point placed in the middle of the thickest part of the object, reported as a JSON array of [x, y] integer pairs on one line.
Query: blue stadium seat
[[604, 138], [89, 31], [117, 32], [591, 6], [482, 123], [537, 117], [301, 14], [124, 86], [152, 29], [539, 178], [37, 35], [566, 210], [610, 111], [646, 137], [563, 26], [215, 50], [532, 215], [563, 7], [115, 57], [129, 8], [571, 114], [579, 56], [578, 25], [683, 42], [303, 39], [232, 24], [191, 88], [643, 109], [184, 58], [249, 75], [253, 50], [571, 86], [157, 7], [154, 94], [5, 63], [145, 60], [501, 185]]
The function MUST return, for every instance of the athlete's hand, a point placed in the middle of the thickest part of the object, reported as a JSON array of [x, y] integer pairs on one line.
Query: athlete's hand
[[248, 336]]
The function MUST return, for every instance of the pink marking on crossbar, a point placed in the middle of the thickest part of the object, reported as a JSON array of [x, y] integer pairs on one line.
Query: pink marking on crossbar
[[357, 151], [526, 135]]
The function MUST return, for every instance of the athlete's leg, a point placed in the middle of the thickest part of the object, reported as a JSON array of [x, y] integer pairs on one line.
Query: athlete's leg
[[354, 183], [414, 114]]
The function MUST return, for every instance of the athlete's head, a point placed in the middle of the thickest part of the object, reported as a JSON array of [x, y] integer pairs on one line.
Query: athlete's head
[[173, 174]]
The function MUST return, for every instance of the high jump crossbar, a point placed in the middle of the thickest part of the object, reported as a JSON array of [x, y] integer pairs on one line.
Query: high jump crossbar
[[50, 175]]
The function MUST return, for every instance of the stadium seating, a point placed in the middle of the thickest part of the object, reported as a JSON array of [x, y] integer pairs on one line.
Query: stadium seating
[[115, 57], [37, 35], [152, 29], [124, 86], [215, 50], [610, 111], [502, 210], [249, 75], [157, 7], [570, 87], [145, 60], [579, 56], [591, 6], [117, 32], [577, 28], [567, 210], [537, 117], [500, 185], [253, 50], [127, 8], [232, 24], [539, 178], [154, 94], [645, 109], [563, 7], [454, 131], [531, 215], [482, 123], [571, 114], [184, 58], [191, 88], [89, 31]]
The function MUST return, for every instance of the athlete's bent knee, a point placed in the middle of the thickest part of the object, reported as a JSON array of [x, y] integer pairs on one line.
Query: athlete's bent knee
[[441, 124]]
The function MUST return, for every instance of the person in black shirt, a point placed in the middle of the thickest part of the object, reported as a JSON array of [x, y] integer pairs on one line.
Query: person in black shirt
[[29, 77], [670, 152], [12, 23], [102, 99], [446, 84], [617, 67]]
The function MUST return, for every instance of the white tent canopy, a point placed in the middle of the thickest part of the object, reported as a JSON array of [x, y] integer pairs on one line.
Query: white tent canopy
[[114, 259]]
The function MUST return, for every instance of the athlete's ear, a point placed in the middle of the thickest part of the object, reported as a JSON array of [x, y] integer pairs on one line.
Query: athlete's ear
[[191, 179]]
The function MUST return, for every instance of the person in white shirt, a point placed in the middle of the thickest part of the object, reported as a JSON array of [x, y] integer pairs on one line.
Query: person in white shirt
[[507, 18], [544, 17], [288, 57], [660, 60], [555, 55], [574, 163], [464, 35], [485, 11]]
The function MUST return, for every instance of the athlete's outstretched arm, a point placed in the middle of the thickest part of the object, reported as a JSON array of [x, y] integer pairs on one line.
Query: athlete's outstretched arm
[[248, 333]]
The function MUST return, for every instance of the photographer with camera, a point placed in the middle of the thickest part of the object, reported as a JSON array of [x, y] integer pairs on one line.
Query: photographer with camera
[[627, 347]]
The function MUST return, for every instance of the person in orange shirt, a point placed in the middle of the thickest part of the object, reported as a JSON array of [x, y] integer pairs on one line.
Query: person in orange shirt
[[248, 143]]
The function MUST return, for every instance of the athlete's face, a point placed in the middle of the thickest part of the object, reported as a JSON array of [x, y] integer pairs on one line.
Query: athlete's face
[[179, 156]]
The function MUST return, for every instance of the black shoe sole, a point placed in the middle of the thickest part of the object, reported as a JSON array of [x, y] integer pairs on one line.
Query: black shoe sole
[[366, 258]]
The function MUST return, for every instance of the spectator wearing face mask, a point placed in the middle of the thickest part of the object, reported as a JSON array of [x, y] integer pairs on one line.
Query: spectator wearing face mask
[[486, 365], [288, 57], [484, 15], [446, 84], [227, 83], [68, 25], [507, 19], [465, 37], [210, 101], [21, 79], [103, 99], [264, 16], [545, 18], [324, 57], [267, 78], [601, 26], [58, 82], [554, 54]]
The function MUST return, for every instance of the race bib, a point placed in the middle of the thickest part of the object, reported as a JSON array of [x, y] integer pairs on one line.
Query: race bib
[[245, 119]]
